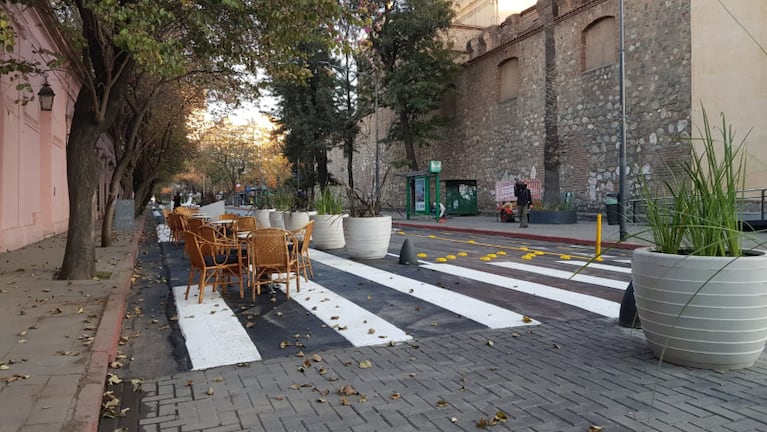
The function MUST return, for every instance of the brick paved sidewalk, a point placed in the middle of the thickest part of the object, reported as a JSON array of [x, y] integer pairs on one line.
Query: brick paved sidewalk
[[562, 376]]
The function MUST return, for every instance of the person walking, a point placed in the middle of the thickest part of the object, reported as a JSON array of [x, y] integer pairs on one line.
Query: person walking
[[524, 202]]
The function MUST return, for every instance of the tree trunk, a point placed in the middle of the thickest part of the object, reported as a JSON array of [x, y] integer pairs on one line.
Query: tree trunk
[[80, 253], [322, 168], [349, 146], [407, 138], [551, 148]]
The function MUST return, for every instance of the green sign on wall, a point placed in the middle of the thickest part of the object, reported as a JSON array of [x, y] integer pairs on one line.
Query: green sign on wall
[[435, 166]]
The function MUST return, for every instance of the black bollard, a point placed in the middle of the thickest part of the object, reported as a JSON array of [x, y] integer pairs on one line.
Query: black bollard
[[407, 254], [628, 316]]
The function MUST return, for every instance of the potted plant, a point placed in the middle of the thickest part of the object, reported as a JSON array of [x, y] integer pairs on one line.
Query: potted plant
[[366, 231], [283, 201], [702, 298], [328, 230]]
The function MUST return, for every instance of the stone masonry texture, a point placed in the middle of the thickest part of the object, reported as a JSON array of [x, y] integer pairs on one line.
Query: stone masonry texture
[[493, 139]]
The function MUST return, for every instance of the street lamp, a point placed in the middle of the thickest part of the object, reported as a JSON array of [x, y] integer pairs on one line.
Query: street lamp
[[376, 183], [46, 95]]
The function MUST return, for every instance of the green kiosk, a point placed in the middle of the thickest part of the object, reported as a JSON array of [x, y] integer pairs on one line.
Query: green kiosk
[[418, 189]]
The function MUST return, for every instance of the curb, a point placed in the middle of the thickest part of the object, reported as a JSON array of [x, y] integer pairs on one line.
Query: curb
[[87, 410], [526, 236]]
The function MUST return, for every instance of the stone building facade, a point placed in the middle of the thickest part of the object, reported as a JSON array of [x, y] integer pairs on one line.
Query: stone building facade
[[498, 109]]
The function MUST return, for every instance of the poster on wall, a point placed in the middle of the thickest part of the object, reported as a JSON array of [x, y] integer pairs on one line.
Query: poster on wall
[[420, 194]]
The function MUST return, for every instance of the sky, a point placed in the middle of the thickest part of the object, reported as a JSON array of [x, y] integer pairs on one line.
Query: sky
[[508, 7]]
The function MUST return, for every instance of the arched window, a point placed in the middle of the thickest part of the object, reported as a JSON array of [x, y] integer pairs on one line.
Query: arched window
[[510, 78], [600, 43]]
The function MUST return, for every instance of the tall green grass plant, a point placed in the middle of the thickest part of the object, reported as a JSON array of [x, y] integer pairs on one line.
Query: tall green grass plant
[[701, 216]]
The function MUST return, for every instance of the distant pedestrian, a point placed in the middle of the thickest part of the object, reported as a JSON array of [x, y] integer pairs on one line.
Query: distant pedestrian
[[524, 203], [176, 201]]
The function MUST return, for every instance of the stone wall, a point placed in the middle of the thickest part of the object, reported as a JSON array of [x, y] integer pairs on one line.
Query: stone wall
[[494, 140]]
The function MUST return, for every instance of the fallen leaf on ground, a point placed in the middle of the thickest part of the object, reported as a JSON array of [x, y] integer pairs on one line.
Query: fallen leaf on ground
[[366, 364], [395, 396], [527, 319], [210, 391], [442, 403]]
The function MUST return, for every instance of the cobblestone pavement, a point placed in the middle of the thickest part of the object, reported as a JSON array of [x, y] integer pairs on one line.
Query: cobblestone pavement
[[559, 376]]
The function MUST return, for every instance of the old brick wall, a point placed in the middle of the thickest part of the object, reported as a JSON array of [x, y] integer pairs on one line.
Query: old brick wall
[[496, 140]]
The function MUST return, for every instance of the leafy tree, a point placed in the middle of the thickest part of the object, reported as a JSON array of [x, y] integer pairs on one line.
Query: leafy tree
[[227, 41], [306, 110], [411, 48]]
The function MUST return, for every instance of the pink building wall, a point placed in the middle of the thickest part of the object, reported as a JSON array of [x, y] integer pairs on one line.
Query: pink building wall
[[34, 200]]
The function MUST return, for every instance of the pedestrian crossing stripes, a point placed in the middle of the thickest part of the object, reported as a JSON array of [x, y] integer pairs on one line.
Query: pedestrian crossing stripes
[[593, 304], [214, 335], [482, 312], [357, 325], [617, 269], [562, 274]]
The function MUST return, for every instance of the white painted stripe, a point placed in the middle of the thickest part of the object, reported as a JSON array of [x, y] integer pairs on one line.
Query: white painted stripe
[[214, 335], [561, 274], [484, 313], [345, 317], [598, 266], [593, 304], [163, 233], [623, 261]]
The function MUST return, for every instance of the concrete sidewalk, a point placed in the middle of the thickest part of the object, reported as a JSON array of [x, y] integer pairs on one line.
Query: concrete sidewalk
[[57, 338]]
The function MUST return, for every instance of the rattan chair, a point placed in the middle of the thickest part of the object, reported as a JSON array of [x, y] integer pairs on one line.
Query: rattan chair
[[213, 259], [304, 236], [271, 261], [247, 223]]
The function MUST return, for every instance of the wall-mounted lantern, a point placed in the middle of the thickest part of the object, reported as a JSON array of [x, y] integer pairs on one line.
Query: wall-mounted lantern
[[46, 96]]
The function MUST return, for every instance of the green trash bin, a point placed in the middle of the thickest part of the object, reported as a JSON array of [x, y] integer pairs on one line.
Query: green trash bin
[[461, 197]]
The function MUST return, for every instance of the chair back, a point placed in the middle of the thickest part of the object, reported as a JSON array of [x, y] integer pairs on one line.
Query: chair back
[[268, 247], [194, 225], [306, 237], [193, 247], [247, 223], [224, 216]]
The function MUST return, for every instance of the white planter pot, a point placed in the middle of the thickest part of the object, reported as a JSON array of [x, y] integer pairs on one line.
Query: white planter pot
[[295, 220], [262, 215], [368, 237], [705, 312], [328, 232], [275, 219]]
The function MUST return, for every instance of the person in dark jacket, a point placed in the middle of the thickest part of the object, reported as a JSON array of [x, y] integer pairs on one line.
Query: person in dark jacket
[[524, 203], [176, 200]]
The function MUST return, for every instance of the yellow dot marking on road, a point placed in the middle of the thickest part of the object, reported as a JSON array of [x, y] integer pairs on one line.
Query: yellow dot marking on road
[[450, 257], [527, 257], [484, 258], [422, 255], [500, 253], [565, 257], [441, 260], [497, 246], [462, 254]]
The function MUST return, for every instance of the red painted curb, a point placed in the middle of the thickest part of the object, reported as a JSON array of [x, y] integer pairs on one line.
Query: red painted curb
[[526, 236], [104, 348]]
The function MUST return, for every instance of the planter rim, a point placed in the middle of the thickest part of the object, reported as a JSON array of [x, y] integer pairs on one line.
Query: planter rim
[[751, 253]]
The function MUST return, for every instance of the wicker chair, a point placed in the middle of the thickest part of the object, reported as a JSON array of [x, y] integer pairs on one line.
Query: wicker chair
[[209, 264], [304, 236], [247, 223], [271, 261], [226, 247], [176, 225]]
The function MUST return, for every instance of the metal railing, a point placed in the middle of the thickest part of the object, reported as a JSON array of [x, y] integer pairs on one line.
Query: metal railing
[[752, 204]]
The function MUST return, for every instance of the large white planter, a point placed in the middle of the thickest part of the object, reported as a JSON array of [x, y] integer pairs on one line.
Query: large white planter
[[705, 312], [367, 237], [295, 220], [328, 232], [262, 215], [275, 219]]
